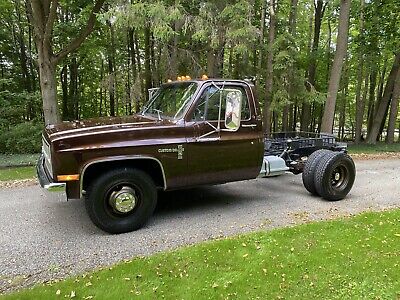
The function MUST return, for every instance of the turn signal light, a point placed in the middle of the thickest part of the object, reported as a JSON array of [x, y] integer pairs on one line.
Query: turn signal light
[[73, 177]]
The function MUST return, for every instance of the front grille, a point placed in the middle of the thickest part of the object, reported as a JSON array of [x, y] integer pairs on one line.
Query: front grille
[[47, 156]]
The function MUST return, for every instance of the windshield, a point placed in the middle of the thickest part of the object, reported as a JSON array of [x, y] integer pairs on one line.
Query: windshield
[[171, 101]]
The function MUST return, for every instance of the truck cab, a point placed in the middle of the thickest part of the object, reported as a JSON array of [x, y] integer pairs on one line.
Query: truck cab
[[190, 133]]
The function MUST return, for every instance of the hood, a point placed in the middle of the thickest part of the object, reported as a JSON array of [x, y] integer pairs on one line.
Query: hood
[[103, 124]]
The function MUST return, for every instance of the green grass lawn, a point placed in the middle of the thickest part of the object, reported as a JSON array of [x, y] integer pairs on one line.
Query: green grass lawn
[[373, 149], [17, 173], [351, 258], [13, 160]]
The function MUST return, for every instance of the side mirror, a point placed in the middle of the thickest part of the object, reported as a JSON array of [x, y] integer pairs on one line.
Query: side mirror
[[233, 104]]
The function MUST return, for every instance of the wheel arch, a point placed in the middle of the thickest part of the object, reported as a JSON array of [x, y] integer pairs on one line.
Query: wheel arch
[[152, 166]]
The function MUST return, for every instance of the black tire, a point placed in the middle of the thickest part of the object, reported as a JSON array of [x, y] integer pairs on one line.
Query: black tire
[[102, 196], [334, 176], [310, 167]]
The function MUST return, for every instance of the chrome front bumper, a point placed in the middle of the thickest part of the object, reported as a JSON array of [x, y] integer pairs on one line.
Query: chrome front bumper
[[45, 180]]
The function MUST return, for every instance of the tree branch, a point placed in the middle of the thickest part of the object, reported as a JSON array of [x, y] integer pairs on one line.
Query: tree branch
[[50, 22], [82, 36], [324, 7]]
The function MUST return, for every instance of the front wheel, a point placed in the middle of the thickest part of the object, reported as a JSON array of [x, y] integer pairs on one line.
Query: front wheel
[[121, 200], [334, 176]]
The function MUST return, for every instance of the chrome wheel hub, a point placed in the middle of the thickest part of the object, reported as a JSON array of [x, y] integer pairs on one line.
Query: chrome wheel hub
[[337, 176], [124, 200]]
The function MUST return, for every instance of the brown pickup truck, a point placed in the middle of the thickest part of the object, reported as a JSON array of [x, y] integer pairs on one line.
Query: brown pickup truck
[[190, 133]]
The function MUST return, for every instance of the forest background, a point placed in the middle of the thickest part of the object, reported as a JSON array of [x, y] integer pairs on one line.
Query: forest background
[[318, 65]]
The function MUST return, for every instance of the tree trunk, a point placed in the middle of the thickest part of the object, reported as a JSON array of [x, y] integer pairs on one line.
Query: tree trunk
[[73, 89], [173, 69], [269, 70], [383, 104], [210, 63], [135, 66], [360, 101], [42, 15], [154, 71], [111, 86], [64, 87], [394, 109], [261, 42], [220, 53], [147, 61], [48, 86], [342, 104], [312, 67], [371, 97], [360, 104], [286, 118], [101, 87], [364, 101], [334, 81]]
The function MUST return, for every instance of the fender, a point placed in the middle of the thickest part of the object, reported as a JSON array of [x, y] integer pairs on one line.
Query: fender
[[119, 158]]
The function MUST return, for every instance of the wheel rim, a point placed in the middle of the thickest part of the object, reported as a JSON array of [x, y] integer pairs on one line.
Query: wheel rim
[[123, 199], [340, 177]]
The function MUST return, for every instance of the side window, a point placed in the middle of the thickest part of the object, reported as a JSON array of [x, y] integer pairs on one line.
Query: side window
[[207, 107]]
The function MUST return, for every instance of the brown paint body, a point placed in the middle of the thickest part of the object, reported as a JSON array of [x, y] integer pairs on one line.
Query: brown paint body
[[221, 157]]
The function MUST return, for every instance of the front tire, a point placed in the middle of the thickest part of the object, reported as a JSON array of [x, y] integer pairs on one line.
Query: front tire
[[334, 176], [121, 200]]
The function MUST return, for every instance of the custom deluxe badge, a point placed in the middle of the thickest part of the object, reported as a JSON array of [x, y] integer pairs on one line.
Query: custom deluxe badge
[[179, 150]]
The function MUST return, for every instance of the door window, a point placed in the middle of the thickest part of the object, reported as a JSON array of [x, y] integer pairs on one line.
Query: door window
[[208, 106]]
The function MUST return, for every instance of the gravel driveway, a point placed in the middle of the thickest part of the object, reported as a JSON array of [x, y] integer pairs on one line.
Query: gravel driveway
[[44, 237]]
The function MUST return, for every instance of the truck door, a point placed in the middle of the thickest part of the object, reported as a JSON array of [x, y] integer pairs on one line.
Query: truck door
[[225, 140]]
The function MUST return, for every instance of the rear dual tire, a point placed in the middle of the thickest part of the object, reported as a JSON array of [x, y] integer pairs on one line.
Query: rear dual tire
[[329, 174], [310, 168]]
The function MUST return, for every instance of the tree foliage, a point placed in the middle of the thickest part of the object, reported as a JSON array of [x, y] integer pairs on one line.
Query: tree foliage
[[140, 44]]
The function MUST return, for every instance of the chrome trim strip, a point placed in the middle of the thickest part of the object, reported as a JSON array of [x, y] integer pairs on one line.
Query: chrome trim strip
[[118, 158], [122, 125], [119, 130], [249, 125]]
